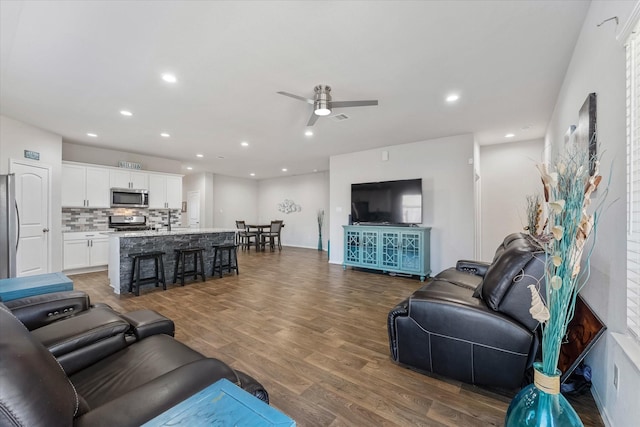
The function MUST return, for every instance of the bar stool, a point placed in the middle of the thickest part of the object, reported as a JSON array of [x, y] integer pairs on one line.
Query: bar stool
[[181, 257], [219, 251], [157, 278]]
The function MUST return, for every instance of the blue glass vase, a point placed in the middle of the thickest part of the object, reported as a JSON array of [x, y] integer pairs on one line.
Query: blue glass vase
[[540, 404]]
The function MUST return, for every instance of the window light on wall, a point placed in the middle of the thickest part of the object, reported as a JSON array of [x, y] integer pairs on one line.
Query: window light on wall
[[633, 182]]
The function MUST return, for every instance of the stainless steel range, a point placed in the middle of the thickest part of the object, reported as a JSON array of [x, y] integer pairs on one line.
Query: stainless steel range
[[128, 223]]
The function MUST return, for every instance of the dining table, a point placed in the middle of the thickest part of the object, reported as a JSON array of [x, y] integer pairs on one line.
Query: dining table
[[259, 229]]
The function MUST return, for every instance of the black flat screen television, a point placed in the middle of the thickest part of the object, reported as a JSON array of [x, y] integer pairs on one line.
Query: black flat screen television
[[387, 202]]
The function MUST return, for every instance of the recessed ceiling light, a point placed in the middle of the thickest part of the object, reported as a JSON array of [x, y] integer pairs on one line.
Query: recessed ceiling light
[[510, 135], [244, 143], [126, 113], [308, 132], [92, 135], [165, 135], [252, 174], [453, 97], [284, 169], [199, 155], [169, 78], [189, 168]]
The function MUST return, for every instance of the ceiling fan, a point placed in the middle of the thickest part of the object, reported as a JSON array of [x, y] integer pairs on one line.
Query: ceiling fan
[[322, 103]]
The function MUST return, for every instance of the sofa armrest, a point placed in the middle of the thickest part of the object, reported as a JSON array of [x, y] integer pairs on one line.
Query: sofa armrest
[[40, 310], [400, 310], [155, 397], [89, 327], [478, 268], [145, 323]]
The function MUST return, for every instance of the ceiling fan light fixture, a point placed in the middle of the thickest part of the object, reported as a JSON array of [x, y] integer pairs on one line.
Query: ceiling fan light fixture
[[323, 105], [322, 99], [321, 108]]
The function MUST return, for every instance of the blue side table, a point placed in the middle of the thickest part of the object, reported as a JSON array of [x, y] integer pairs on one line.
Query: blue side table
[[222, 404], [21, 287]]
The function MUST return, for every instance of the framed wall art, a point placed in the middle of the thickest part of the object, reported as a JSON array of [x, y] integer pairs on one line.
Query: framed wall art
[[586, 131]]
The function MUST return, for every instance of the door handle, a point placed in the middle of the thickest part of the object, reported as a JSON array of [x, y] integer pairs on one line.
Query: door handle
[[18, 218], [45, 230]]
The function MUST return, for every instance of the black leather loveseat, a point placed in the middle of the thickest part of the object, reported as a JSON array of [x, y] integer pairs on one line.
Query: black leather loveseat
[[83, 365], [472, 322]]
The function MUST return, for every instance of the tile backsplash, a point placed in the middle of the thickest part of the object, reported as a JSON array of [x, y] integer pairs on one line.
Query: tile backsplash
[[83, 219]]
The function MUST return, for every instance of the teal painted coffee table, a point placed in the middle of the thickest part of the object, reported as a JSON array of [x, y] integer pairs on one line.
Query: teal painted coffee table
[[222, 404], [28, 286]]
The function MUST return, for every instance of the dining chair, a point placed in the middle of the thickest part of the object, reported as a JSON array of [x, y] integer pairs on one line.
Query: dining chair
[[245, 236], [272, 235]]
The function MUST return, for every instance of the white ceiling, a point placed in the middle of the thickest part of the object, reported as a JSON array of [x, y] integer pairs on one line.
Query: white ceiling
[[70, 66]]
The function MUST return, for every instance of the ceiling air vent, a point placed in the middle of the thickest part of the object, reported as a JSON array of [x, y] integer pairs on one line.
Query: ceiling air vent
[[340, 117]]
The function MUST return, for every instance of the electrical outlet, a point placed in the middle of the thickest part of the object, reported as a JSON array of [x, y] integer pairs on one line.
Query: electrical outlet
[[615, 376]]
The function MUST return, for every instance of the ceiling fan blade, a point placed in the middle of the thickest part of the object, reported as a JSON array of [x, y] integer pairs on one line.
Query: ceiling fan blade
[[312, 119], [301, 98], [342, 104]]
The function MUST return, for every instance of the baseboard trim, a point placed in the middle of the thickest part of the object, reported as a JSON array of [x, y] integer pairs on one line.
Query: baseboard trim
[[305, 247], [85, 270], [601, 408]]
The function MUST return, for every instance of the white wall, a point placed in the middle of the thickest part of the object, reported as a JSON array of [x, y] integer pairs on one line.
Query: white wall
[[15, 137], [447, 191], [311, 192], [106, 157], [509, 175], [206, 202], [477, 200], [598, 65], [233, 199]]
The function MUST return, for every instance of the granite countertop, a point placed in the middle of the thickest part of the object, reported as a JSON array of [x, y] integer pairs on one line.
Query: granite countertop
[[152, 233]]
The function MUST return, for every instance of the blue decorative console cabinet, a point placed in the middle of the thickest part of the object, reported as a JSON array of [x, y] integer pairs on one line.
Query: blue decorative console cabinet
[[387, 248]]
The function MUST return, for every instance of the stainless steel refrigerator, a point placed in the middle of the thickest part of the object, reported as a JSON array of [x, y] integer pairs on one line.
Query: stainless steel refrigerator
[[9, 226]]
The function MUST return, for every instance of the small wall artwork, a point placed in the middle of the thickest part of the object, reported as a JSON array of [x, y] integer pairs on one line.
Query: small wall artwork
[[289, 206]]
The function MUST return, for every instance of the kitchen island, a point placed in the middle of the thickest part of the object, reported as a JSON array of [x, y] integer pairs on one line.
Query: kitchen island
[[122, 244]]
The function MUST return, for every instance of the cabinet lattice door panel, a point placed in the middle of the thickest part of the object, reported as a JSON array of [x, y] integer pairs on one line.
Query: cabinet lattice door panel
[[369, 248], [388, 248], [410, 251]]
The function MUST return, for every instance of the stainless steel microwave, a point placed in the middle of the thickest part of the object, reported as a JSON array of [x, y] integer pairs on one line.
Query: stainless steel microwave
[[129, 198]]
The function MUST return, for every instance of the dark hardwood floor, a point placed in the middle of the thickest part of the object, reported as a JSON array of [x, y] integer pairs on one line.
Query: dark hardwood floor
[[315, 336]]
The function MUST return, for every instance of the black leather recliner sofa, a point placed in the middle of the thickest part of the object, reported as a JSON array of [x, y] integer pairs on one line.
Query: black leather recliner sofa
[[64, 362], [472, 322]]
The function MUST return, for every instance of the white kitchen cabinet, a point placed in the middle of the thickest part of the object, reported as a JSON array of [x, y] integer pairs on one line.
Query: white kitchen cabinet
[[99, 249], [128, 179], [85, 249], [75, 254], [85, 186], [165, 191]]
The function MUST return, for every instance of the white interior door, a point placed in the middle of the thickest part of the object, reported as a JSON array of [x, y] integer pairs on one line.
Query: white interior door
[[33, 198], [193, 208]]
